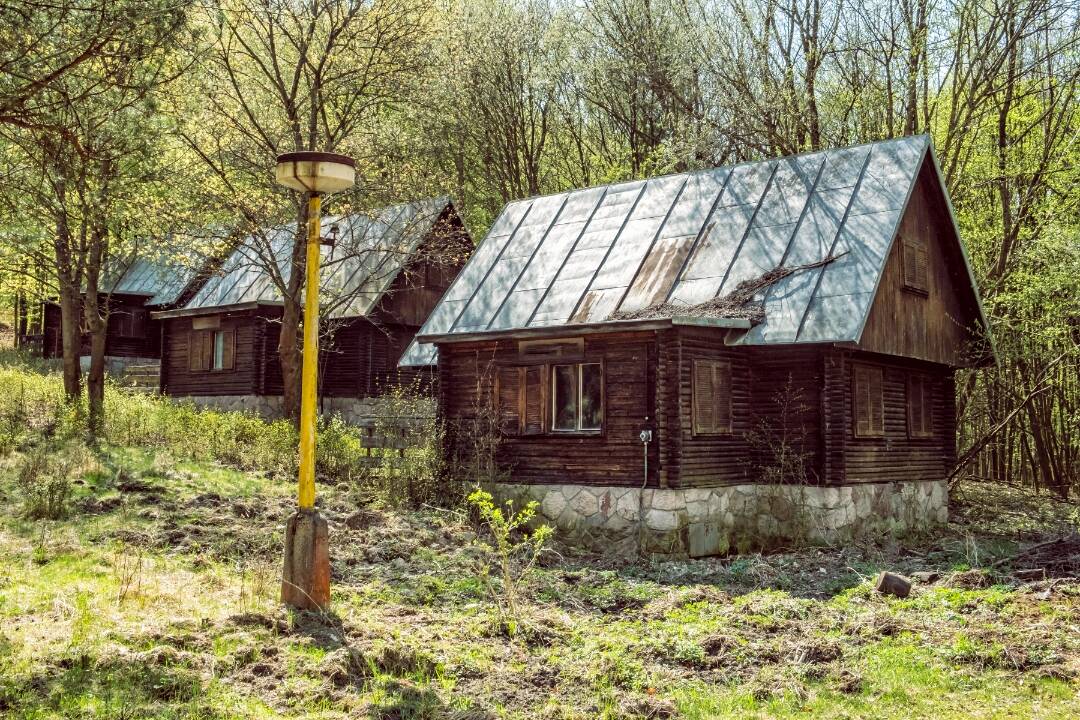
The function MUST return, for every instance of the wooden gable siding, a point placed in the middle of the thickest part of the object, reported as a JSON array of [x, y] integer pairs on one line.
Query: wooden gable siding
[[931, 326], [178, 379], [613, 456], [897, 455], [416, 290]]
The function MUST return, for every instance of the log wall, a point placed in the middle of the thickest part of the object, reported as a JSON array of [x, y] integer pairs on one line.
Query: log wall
[[613, 456], [798, 398]]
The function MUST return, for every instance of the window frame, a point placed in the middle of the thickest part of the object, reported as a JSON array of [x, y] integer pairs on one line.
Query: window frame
[[208, 357], [695, 402], [579, 386], [872, 432]]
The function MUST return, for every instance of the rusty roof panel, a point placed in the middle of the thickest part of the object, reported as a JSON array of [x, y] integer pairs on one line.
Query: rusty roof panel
[[574, 257]]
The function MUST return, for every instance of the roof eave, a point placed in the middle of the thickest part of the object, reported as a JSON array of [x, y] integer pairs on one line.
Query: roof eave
[[212, 309], [574, 330]]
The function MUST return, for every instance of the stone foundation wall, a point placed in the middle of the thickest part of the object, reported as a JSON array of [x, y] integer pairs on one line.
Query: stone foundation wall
[[354, 411], [699, 522], [116, 365]]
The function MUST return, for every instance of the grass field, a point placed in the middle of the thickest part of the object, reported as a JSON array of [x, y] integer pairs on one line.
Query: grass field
[[156, 598]]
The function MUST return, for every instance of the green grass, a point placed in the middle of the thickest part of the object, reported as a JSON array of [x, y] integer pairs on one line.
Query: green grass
[[156, 597]]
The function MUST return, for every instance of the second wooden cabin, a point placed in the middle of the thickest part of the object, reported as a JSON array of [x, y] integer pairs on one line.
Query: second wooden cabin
[[726, 358], [380, 280]]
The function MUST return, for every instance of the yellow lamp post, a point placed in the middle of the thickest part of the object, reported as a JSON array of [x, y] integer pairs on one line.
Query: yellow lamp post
[[305, 581]]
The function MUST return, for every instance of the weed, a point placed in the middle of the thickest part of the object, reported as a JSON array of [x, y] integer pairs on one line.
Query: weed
[[44, 478], [503, 527], [127, 568]]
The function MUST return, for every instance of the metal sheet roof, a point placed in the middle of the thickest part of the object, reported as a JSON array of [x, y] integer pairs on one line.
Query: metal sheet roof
[[161, 279], [577, 257], [371, 250]]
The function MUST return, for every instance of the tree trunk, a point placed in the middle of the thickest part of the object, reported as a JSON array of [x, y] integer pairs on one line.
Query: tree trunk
[[95, 376], [291, 358], [289, 346], [71, 339]]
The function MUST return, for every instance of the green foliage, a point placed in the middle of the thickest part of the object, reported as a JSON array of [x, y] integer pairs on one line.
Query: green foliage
[[32, 404], [44, 475], [516, 549]]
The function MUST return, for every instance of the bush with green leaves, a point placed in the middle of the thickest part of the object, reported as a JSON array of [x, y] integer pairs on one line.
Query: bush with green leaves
[[32, 406], [516, 550], [44, 475]]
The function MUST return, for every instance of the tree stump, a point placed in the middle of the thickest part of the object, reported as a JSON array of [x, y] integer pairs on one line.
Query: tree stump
[[892, 584]]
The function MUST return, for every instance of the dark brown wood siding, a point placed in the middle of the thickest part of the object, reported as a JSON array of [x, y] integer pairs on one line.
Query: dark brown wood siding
[[934, 325], [706, 459], [798, 397], [119, 340], [898, 455], [178, 379], [357, 359], [613, 456]]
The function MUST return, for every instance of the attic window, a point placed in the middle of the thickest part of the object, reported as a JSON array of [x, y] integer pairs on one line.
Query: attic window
[[868, 400], [914, 256]]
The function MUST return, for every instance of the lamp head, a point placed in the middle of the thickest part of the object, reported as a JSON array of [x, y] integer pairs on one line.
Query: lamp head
[[316, 172]]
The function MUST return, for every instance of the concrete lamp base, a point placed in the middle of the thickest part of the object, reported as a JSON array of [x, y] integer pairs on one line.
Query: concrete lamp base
[[305, 580]]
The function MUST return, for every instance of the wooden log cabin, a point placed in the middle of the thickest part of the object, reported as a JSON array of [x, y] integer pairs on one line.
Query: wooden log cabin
[[380, 279], [718, 359], [136, 288]]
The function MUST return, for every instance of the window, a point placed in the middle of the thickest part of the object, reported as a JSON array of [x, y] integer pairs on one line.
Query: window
[[577, 397], [869, 402], [920, 405], [711, 397], [915, 264], [130, 323], [211, 350]]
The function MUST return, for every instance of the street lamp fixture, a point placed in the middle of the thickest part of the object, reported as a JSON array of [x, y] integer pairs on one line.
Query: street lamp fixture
[[305, 581]]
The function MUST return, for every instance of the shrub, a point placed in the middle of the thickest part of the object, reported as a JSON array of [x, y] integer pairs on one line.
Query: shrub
[[44, 476], [515, 547], [32, 405]]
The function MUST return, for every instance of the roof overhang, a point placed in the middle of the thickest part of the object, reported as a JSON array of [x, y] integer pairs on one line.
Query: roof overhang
[[211, 310], [575, 330]]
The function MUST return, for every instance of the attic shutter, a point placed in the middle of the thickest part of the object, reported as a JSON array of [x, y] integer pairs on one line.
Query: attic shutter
[[535, 384], [869, 403], [509, 393], [711, 397], [915, 263]]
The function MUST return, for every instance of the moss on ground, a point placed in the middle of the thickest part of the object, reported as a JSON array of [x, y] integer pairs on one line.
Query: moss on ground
[[156, 597]]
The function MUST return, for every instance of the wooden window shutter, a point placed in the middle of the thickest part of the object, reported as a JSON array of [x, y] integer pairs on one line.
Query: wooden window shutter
[[195, 350], [711, 397], [915, 264], [508, 391], [920, 406], [228, 354], [868, 399], [535, 387]]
